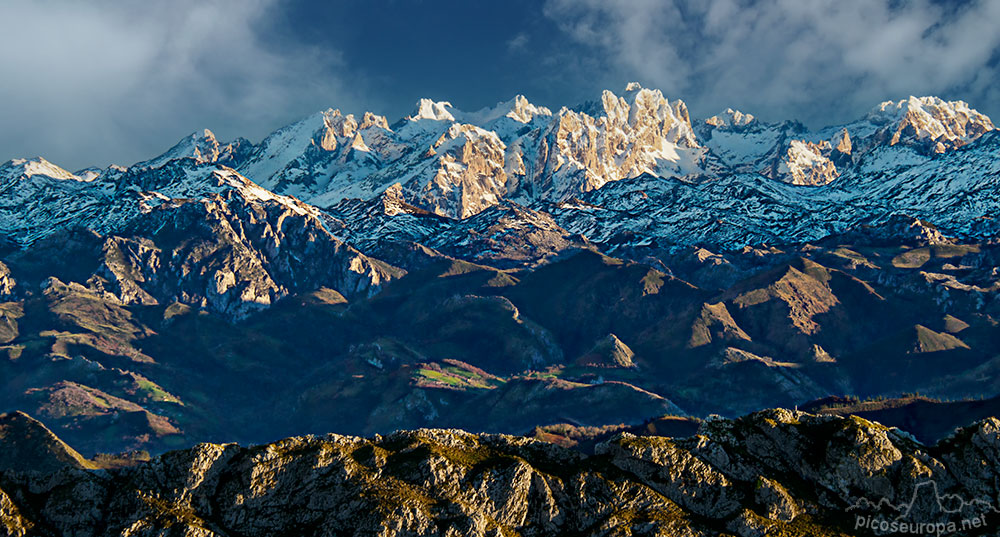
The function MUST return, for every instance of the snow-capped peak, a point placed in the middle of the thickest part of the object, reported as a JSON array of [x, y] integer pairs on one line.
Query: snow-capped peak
[[731, 118], [519, 109], [523, 111], [37, 166], [202, 146], [931, 121], [434, 110]]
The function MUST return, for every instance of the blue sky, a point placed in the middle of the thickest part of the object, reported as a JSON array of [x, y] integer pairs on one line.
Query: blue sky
[[94, 83]]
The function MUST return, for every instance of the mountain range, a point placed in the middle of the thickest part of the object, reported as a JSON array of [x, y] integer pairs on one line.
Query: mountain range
[[501, 270]]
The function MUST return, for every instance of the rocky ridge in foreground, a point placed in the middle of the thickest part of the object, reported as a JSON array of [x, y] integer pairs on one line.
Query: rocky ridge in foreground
[[775, 472]]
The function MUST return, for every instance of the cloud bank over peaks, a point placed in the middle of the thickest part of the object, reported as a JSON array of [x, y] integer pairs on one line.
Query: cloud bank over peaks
[[90, 83]]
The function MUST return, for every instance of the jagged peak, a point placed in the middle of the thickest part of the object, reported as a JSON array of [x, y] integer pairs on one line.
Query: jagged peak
[[948, 124], [842, 142], [639, 104], [731, 118], [336, 125], [206, 135], [519, 109], [358, 143], [331, 115], [470, 132], [370, 119], [523, 111], [433, 110], [888, 111], [333, 124], [197, 139], [202, 146], [392, 200]]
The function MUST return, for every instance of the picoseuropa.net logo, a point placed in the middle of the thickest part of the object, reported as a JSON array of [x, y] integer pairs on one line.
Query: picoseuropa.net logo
[[928, 512]]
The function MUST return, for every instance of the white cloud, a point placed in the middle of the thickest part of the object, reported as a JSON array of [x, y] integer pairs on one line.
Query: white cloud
[[88, 83], [518, 43], [818, 61]]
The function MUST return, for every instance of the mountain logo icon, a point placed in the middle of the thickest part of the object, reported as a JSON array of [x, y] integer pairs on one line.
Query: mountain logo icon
[[928, 511]]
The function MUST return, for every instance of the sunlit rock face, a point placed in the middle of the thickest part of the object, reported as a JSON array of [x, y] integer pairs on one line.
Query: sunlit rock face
[[807, 163], [639, 132], [930, 123]]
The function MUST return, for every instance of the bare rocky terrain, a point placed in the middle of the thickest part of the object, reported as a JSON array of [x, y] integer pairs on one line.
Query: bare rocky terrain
[[775, 472]]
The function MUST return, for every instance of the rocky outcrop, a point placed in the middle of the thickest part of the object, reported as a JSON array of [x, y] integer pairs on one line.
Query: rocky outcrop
[[27, 445], [7, 283], [773, 472], [731, 119], [608, 352], [807, 163], [898, 228], [468, 174]]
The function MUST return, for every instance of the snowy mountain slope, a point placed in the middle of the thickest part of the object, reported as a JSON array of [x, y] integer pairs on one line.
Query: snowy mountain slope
[[384, 219], [38, 198], [956, 191], [732, 211], [742, 141], [508, 235], [447, 167], [505, 235], [900, 133], [193, 232]]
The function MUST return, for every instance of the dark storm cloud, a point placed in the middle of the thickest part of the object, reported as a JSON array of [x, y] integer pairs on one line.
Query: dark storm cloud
[[90, 83], [822, 62]]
